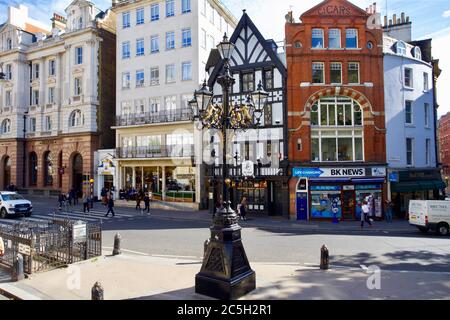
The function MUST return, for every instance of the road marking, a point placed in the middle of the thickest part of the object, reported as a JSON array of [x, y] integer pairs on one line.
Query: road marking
[[49, 217], [130, 251]]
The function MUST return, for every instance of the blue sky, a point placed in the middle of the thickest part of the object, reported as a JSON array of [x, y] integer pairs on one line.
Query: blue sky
[[431, 19]]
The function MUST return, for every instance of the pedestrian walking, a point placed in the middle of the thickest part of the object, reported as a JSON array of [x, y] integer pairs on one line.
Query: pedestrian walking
[[389, 210], [2, 247], [365, 214], [110, 206], [61, 200], [86, 202], [138, 201], [243, 208], [75, 196], [104, 194], [147, 203]]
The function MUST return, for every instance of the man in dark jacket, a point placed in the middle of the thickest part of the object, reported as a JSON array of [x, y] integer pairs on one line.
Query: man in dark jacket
[[110, 207], [147, 203]]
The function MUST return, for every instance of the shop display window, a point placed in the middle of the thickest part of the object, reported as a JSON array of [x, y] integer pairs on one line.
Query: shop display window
[[374, 196], [326, 202]]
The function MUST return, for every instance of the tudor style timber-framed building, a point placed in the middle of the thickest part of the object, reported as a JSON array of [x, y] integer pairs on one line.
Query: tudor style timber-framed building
[[337, 147], [57, 103], [255, 60]]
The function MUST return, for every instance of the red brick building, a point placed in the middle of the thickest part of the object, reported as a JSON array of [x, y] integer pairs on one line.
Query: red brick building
[[444, 145], [337, 147]]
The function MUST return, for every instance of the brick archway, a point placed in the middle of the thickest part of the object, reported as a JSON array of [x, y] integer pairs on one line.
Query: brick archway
[[343, 92], [5, 177]]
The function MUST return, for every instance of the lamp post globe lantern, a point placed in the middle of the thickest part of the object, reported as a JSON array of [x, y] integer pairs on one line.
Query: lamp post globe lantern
[[226, 48], [203, 98], [226, 272], [259, 97]]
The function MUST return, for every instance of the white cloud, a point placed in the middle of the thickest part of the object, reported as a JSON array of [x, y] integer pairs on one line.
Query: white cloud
[[446, 14], [441, 48]]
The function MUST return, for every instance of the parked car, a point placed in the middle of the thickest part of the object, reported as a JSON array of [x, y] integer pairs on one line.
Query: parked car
[[430, 215], [12, 203]]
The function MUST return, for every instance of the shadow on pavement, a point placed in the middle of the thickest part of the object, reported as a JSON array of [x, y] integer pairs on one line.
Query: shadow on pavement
[[420, 261]]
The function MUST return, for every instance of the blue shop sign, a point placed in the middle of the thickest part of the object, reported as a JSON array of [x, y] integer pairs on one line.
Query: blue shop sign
[[325, 188], [369, 187], [307, 172], [394, 177]]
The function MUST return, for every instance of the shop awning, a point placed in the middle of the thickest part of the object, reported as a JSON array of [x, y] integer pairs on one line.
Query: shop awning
[[329, 180], [412, 186], [373, 180]]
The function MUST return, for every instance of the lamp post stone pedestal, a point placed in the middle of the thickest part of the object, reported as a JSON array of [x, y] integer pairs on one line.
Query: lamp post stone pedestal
[[226, 273]]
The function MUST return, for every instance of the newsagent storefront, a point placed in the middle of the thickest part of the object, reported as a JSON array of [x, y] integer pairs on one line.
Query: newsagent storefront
[[339, 193]]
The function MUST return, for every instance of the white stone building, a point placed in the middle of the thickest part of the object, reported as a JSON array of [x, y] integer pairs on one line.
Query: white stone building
[[56, 107], [162, 51]]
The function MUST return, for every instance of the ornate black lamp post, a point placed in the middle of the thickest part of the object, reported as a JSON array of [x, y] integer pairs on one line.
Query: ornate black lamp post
[[226, 272]]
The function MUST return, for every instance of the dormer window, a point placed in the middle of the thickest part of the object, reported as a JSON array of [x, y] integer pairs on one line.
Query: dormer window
[[401, 48], [417, 53], [9, 44]]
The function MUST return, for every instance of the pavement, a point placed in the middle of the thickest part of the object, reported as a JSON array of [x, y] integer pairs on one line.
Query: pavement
[[143, 277]]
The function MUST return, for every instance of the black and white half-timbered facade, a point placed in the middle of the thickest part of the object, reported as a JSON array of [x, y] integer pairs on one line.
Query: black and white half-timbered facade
[[255, 60]]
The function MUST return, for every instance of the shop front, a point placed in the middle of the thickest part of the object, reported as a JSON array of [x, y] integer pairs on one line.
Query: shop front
[[105, 172], [407, 185], [164, 180], [339, 193]]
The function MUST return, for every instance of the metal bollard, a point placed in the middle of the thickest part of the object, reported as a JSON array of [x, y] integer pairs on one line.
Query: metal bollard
[[97, 292], [117, 240], [324, 258], [17, 271]]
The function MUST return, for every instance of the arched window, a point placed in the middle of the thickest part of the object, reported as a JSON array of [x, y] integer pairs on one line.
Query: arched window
[[337, 130], [76, 119], [48, 169], [9, 44], [417, 53], [33, 169], [401, 48], [80, 23], [6, 126]]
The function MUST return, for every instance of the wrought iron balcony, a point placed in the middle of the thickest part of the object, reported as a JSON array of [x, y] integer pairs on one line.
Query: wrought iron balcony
[[175, 151], [163, 116], [236, 171]]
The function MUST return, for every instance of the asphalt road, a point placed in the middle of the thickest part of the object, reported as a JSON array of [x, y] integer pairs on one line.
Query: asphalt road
[[408, 250]]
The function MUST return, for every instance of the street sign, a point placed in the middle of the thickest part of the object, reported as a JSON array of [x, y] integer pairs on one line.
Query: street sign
[[248, 169], [24, 249], [394, 177], [79, 231]]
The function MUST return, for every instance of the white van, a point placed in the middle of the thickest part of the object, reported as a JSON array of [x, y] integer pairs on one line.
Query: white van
[[430, 215]]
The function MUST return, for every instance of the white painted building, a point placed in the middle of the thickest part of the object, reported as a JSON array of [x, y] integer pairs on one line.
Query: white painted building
[[410, 116], [54, 102], [162, 50]]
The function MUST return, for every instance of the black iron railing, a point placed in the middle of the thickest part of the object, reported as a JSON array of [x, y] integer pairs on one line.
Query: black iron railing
[[236, 171], [175, 151], [154, 117]]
